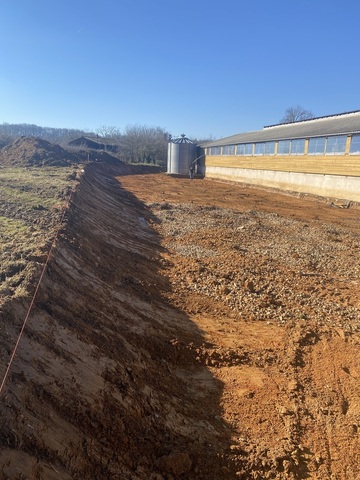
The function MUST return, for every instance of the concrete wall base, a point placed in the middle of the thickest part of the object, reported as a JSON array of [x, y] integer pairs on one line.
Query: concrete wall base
[[333, 186]]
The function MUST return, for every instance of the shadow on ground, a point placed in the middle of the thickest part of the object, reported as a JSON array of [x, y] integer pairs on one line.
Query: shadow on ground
[[107, 382]]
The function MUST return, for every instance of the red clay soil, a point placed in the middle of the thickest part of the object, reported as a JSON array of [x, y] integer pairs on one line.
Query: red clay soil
[[188, 330]]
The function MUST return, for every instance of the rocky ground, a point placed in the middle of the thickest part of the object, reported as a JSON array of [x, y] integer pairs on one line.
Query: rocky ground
[[187, 330], [272, 281]]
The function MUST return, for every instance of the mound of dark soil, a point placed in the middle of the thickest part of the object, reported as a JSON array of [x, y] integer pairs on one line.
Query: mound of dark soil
[[35, 152]]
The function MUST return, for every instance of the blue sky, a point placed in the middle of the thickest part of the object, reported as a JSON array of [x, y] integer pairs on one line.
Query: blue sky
[[205, 68]]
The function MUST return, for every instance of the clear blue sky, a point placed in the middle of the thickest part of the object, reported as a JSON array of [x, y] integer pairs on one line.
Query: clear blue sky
[[200, 67]]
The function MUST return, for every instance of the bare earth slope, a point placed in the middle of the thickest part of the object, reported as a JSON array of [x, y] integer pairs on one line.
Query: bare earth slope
[[188, 330], [31, 151]]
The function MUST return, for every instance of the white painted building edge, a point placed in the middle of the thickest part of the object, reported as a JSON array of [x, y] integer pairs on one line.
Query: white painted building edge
[[333, 186]]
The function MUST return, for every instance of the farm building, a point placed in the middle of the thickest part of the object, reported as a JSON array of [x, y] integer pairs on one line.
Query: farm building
[[319, 156], [93, 143]]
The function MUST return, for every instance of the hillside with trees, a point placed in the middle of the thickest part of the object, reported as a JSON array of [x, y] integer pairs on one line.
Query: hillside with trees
[[136, 144]]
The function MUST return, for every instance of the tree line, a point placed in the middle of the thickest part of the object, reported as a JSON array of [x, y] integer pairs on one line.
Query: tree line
[[9, 132], [136, 144]]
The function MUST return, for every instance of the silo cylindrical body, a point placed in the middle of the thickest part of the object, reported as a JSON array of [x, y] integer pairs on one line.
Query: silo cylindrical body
[[181, 154]]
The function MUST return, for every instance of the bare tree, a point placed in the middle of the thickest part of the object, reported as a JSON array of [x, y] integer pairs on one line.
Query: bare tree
[[109, 131], [143, 144], [296, 113]]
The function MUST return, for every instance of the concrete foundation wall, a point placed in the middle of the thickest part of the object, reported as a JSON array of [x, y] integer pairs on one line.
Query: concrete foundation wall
[[333, 186]]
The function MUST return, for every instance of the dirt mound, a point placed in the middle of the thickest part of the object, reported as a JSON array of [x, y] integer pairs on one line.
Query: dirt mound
[[36, 152], [31, 151]]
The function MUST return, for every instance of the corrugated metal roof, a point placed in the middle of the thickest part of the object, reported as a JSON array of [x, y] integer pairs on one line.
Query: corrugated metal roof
[[181, 139], [340, 124]]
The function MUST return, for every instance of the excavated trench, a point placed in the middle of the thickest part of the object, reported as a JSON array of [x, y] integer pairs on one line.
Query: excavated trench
[[187, 330], [91, 393]]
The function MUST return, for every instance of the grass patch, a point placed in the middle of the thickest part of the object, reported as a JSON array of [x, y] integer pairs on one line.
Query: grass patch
[[31, 204], [36, 187], [9, 227]]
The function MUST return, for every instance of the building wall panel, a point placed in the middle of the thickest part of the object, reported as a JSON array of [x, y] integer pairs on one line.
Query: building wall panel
[[323, 164], [334, 186]]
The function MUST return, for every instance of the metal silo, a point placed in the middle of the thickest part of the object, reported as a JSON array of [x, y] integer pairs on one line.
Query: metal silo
[[181, 154]]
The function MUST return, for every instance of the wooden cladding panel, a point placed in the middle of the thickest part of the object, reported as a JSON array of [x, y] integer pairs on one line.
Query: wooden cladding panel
[[348, 165]]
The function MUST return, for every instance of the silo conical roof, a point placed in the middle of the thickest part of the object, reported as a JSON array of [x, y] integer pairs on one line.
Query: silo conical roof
[[181, 139]]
